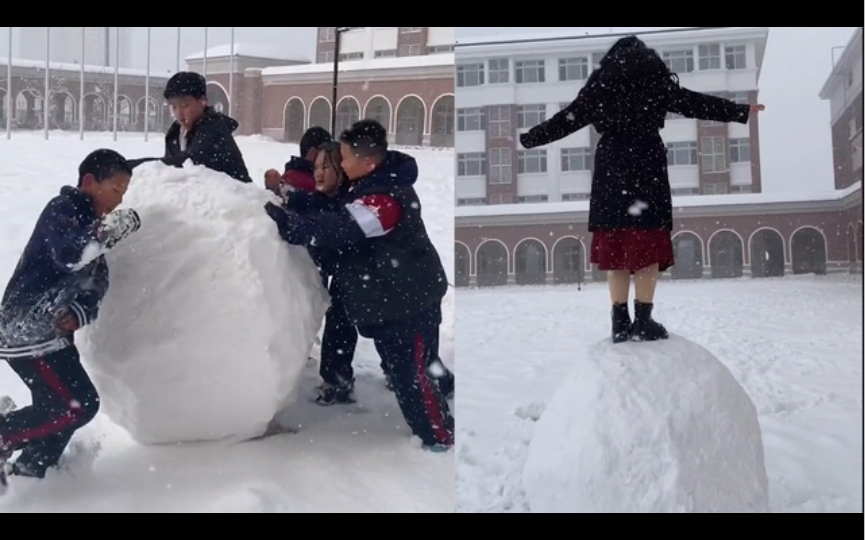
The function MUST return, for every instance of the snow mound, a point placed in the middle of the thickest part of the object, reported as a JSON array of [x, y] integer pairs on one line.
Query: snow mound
[[648, 427], [210, 316]]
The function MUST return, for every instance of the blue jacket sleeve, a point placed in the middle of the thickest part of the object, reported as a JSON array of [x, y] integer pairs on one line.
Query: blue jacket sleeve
[[66, 237], [326, 231]]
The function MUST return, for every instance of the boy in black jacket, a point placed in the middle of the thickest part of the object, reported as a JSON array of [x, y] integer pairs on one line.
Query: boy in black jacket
[[199, 132], [56, 289], [389, 273]]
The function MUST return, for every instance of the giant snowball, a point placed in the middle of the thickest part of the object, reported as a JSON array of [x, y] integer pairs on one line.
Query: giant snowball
[[647, 427], [209, 318]]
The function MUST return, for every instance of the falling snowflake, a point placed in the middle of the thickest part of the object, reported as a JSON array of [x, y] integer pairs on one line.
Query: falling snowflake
[[637, 208]]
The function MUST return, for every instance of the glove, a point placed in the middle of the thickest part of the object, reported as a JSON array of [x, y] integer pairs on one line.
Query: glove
[[118, 225], [287, 223], [527, 141]]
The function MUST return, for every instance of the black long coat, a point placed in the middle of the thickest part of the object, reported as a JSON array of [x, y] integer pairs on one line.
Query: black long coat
[[630, 185]]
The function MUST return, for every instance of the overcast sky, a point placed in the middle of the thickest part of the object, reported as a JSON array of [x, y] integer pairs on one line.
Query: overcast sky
[[795, 139], [795, 136]]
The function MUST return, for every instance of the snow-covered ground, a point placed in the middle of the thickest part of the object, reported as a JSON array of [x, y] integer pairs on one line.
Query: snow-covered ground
[[348, 459], [793, 343]]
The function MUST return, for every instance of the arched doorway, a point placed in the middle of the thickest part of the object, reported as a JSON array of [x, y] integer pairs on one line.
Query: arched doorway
[[530, 263], [688, 251], [492, 261], [410, 122], [808, 249], [767, 254], [725, 255]]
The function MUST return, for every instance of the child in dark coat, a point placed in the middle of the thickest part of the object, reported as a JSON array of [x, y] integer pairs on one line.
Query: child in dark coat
[[56, 289]]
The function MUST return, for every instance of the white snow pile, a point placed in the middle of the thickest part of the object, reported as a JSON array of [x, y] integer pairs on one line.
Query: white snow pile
[[210, 316], [648, 427]]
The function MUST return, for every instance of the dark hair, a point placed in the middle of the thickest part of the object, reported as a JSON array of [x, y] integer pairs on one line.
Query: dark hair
[[102, 164], [314, 137], [331, 151], [185, 83], [630, 58], [368, 138]]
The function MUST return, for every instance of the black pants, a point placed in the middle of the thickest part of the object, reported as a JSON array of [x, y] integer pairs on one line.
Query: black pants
[[337, 344], [63, 400], [406, 349]]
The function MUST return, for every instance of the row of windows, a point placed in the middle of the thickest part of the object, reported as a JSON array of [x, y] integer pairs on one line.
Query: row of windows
[[497, 117], [413, 49], [327, 34], [506, 198], [706, 57], [498, 162]]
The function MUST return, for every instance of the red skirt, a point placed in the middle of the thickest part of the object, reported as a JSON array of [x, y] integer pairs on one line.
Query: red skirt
[[632, 249]]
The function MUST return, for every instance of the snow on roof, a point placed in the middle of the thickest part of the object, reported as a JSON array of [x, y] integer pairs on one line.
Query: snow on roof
[[66, 66], [248, 50], [691, 201], [404, 62]]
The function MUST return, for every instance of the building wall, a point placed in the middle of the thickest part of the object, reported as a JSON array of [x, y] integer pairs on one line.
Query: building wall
[[491, 77], [836, 229], [28, 88]]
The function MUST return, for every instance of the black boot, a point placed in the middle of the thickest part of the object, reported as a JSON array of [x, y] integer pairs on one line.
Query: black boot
[[645, 328], [621, 323]]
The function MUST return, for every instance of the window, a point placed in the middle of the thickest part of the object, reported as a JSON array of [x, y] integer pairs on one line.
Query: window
[[470, 75], [736, 57], [686, 191], [741, 189], [679, 61], [713, 155], [439, 49], [325, 56], [529, 71], [470, 119], [714, 189], [327, 34], [473, 164], [351, 56], [528, 116], [410, 50], [499, 121], [856, 146], [387, 53], [575, 196], [596, 59], [532, 198], [532, 161], [410, 29], [576, 159], [573, 69], [739, 97], [682, 153], [740, 150], [501, 165], [475, 201], [501, 198], [500, 71], [710, 56]]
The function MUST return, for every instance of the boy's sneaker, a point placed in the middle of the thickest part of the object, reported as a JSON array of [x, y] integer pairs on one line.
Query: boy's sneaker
[[331, 394]]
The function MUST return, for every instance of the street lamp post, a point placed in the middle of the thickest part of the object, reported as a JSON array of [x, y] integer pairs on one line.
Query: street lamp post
[[338, 31]]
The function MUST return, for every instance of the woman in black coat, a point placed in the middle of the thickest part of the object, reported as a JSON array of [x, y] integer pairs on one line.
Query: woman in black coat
[[630, 209]]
